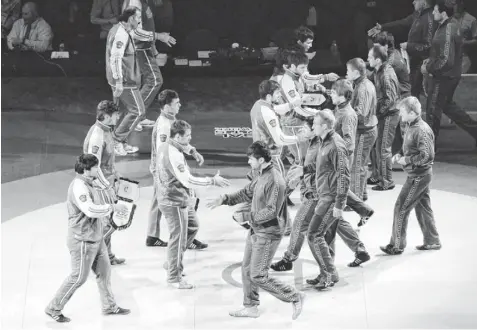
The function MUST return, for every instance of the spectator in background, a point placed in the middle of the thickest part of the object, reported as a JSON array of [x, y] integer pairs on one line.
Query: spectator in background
[[105, 13], [11, 10], [468, 30], [31, 32]]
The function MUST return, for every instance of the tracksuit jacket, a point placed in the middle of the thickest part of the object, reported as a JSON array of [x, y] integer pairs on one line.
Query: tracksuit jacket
[[387, 90]]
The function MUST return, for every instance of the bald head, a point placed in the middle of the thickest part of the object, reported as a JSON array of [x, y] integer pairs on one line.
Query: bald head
[[30, 12]]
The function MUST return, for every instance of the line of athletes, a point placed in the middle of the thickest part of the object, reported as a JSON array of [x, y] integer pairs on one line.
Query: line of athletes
[[329, 159]]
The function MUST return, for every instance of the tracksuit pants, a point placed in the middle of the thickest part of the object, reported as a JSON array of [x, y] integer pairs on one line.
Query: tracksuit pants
[[132, 100], [154, 223], [85, 256], [415, 194], [359, 171], [416, 77], [183, 226], [386, 132], [258, 256], [151, 76], [440, 100], [108, 230]]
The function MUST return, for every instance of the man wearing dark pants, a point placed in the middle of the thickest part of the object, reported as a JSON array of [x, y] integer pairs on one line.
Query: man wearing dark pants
[[421, 30], [267, 197], [364, 102], [174, 185], [387, 92], [122, 72], [417, 157], [332, 183], [445, 69]]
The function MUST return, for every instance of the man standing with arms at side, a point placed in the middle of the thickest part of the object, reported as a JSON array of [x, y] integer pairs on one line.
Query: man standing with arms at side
[[170, 104], [445, 69], [124, 77], [416, 157], [387, 92], [145, 36], [421, 27], [267, 196]]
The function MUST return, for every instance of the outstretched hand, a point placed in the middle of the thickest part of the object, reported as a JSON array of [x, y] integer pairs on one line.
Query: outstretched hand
[[220, 181], [213, 203]]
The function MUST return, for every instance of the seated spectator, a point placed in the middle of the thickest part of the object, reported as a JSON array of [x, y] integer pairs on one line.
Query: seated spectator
[[31, 32], [11, 10], [105, 13]]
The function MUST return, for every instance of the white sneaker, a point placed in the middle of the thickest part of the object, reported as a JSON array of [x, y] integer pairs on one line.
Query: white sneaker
[[298, 306], [119, 149], [130, 149], [182, 285], [147, 122], [138, 128], [246, 312]]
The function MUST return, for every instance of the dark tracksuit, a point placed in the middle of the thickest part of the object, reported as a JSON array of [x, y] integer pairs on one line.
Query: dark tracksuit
[[267, 197], [345, 125], [364, 102], [332, 185], [445, 68], [421, 30], [387, 92], [418, 152]]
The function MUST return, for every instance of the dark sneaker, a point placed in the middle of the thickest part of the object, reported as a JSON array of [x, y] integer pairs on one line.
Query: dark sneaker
[[372, 181], [282, 266], [118, 311], [361, 257], [117, 261], [324, 284], [381, 188], [298, 306], [58, 318], [347, 209], [427, 247], [388, 249], [197, 245], [335, 278], [365, 219], [154, 241]]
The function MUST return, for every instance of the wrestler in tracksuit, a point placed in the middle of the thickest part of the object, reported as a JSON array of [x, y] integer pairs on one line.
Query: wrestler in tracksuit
[[387, 93], [364, 102], [445, 68], [332, 184], [267, 197], [174, 189], [421, 30], [418, 153], [122, 65], [160, 134], [144, 39], [99, 142], [345, 125], [86, 244]]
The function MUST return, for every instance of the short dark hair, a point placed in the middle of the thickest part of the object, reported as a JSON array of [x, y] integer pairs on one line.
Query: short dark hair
[[296, 58], [358, 64], [281, 57], [105, 107], [127, 13], [379, 52], [445, 6], [166, 97], [258, 150], [85, 162], [179, 127], [303, 34], [344, 88], [385, 38], [267, 87]]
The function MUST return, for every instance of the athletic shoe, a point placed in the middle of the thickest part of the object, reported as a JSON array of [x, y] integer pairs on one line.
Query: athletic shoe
[[58, 318], [154, 241], [335, 278], [117, 261], [381, 188], [130, 149], [147, 122], [365, 219], [324, 284], [427, 247], [182, 285], [389, 249], [138, 128], [246, 312], [372, 181], [289, 202], [197, 245], [347, 209], [282, 266], [298, 306], [119, 149], [361, 257], [118, 311]]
